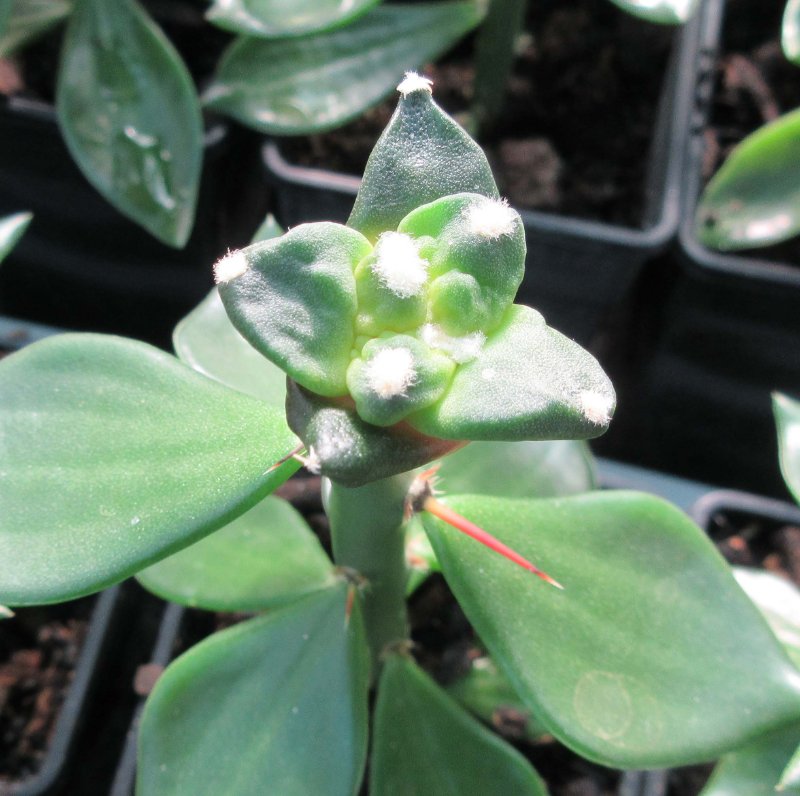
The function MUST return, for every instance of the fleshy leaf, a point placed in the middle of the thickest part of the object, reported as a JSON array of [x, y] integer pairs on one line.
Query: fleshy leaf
[[551, 468], [790, 776], [647, 657], [28, 20], [779, 602], [754, 199], [664, 12], [421, 156], [485, 691], [425, 743], [207, 341], [271, 19], [302, 85], [12, 228], [116, 455], [5, 13], [528, 382], [787, 417], [130, 116], [790, 33], [348, 450], [267, 557], [268, 229], [294, 300], [274, 705], [755, 769]]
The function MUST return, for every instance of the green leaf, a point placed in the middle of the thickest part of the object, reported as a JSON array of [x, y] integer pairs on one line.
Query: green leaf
[[485, 691], [351, 452], [319, 82], [274, 705], [294, 300], [267, 557], [268, 230], [504, 469], [664, 12], [754, 199], [790, 776], [12, 228], [779, 602], [425, 743], [278, 18], [5, 13], [528, 382], [647, 657], [790, 33], [116, 455], [421, 156], [30, 19], [207, 341], [756, 769], [130, 116], [787, 417]]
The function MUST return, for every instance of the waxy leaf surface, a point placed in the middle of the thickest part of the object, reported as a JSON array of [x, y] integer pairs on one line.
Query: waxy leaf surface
[[790, 33], [115, 455], [529, 382], [756, 769], [665, 12], [754, 199], [282, 18], [12, 228], [296, 302], [28, 20], [207, 341], [787, 416], [267, 557], [130, 116], [424, 742], [649, 655], [790, 776], [274, 705], [421, 156], [314, 83]]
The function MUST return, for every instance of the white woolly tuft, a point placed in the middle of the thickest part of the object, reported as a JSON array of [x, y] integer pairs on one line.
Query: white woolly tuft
[[391, 372], [398, 265], [233, 264], [459, 349], [596, 407], [491, 218], [414, 82], [312, 462]]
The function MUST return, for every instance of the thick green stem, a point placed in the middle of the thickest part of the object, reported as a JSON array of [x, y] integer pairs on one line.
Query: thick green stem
[[368, 536]]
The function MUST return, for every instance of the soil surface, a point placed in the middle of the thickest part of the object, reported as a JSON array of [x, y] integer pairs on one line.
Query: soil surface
[[754, 85], [39, 649], [578, 119]]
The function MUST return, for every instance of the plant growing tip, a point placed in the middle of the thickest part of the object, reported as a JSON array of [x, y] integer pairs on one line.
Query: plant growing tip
[[421, 498]]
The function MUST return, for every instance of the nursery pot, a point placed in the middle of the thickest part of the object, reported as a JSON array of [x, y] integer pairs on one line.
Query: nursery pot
[[578, 271]]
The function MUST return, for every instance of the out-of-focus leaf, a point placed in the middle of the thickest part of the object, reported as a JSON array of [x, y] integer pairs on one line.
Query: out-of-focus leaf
[[283, 18], [754, 199], [790, 33], [267, 557], [28, 20], [12, 228], [665, 12], [314, 83], [130, 116], [787, 417]]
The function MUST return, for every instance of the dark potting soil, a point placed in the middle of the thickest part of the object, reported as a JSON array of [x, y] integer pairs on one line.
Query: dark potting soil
[[39, 649], [754, 85], [578, 119]]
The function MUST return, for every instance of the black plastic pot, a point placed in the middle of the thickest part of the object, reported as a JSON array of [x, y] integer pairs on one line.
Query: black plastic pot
[[57, 762], [579, 271], [84, 266]]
